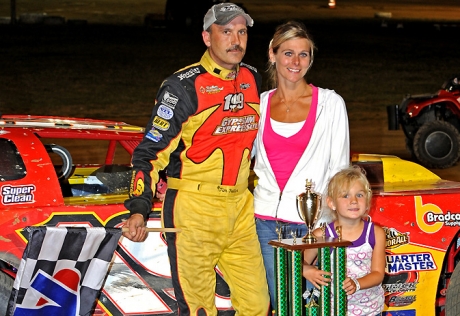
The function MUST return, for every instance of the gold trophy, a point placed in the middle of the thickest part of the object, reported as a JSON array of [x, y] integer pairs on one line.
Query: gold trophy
[[308, 208]]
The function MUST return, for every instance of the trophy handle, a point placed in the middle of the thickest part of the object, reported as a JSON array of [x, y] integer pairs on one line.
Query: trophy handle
[[320, 212], [298, 197]]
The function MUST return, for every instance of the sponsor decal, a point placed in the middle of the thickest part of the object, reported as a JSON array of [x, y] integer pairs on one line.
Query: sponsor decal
[[165, 112], [406, 312], [448, 219], [3, 132], [230, 7], [189, 73], [154, 135], [213, 89], [422, 261], [395, 238], [398, 301], [234, 102], [160, 123], [399, 287], [244, 86], [248, 66], [430, 218], [137, 183], [236, 125], [170, 100], [395, 285], [56, 295], [17, 194]]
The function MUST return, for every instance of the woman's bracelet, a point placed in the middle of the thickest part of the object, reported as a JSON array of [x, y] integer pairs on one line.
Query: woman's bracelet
[[358, 286]]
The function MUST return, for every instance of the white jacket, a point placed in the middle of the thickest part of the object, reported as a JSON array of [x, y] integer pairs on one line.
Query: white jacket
[[327, 152]]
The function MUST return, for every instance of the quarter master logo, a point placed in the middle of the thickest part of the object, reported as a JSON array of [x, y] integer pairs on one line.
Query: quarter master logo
[[422, 261]]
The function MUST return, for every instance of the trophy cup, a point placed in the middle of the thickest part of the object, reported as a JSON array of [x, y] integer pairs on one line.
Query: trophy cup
[[308, 208]]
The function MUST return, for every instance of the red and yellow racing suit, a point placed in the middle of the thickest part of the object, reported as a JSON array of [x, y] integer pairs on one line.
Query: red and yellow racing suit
[[202, 130]]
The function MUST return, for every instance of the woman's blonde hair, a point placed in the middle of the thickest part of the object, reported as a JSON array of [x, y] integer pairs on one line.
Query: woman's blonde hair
[[287, 31], [342, 181]]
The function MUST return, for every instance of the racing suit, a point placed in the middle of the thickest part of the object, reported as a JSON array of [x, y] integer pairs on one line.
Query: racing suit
[[202, 130]]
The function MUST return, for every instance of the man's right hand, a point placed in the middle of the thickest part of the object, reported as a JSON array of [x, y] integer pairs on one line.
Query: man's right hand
[[137, 229]]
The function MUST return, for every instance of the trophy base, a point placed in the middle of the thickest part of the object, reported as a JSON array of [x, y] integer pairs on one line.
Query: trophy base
[[309, 239]]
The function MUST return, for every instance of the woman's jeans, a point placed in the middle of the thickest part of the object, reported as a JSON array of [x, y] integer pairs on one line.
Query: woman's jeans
[[266, 230]]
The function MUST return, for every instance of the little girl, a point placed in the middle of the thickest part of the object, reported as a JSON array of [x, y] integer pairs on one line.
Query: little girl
[[349, 197]]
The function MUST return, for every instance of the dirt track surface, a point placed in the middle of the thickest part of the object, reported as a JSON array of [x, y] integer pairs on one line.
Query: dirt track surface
[[271, 10], [134, 11], [339, 64]]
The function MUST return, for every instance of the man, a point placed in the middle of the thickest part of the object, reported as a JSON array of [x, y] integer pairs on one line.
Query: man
[[202, 128]]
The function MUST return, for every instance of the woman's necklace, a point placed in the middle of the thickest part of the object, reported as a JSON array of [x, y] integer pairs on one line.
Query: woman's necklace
[[288, 107]]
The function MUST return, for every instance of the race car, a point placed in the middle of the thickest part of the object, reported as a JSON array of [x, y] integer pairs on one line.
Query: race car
[[58, 171], [62, 171], [420, 214]]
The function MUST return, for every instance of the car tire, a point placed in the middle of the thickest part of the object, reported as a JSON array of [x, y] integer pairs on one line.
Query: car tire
[[437, 145], [6, 285], [452, 307], [67, 164]]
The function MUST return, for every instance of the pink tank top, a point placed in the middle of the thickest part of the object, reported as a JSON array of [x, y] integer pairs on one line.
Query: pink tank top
[[284, 152]]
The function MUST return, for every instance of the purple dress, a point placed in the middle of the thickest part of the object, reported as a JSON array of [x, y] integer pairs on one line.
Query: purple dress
[[359, 258]]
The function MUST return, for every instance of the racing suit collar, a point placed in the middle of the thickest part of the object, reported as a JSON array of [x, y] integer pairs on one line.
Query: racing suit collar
[[213, 68]]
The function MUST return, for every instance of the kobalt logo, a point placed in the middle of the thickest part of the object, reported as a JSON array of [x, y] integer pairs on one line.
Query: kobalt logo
[[17, 194], [165, 112], [189, 73]]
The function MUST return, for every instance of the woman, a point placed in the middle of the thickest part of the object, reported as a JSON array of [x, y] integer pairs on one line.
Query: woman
[[303, 134]]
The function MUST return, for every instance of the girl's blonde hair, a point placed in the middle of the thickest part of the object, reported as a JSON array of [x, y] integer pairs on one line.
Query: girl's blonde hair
[[287, 31], [342, 181]]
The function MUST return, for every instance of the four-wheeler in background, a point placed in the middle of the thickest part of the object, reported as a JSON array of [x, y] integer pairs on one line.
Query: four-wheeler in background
[[431, 124]]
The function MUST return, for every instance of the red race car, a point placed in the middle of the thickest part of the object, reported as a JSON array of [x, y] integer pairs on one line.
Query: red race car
[[58, 171]]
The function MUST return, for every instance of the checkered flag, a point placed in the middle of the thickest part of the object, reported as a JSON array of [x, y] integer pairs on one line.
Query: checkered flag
[[62, 270]]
